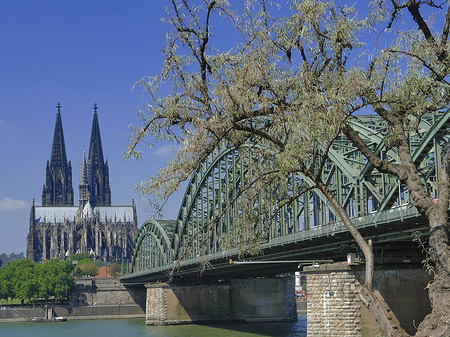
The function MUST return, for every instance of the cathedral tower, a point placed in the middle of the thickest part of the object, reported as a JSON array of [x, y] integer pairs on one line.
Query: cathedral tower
[[97, 169], [58, 190], [59, 229]]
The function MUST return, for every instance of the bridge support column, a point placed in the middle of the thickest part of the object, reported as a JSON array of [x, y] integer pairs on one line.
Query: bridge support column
[[334, 307], [246, 300]]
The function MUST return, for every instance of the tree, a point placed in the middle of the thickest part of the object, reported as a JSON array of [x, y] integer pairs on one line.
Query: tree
[[293, 82], [7, 282], [114, 269], [3, 295], [55, 279], [25, 280], [89, 269]]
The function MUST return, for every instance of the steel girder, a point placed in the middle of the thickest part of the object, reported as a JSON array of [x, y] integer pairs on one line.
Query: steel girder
[[213, 204]]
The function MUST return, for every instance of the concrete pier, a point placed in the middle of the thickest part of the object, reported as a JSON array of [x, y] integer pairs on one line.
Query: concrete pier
[[244, 300]]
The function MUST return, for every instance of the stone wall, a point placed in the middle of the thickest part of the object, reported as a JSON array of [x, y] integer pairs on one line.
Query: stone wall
[[94, 298], [20, 314], [156, 305], [334, 307], [246, 300], [106, 291]]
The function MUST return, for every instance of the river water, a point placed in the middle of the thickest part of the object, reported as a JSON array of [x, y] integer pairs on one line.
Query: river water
[[137, 328]]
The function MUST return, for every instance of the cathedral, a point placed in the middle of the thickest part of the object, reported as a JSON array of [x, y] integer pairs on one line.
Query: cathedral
[[58, 228]]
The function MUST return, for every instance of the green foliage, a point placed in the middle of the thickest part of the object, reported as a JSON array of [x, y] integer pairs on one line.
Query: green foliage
[[78, 257], [84, 261], [55, 278], [25, 279], [6, 282], [114, 269], [78, 272], [426, 262], [89, 269]]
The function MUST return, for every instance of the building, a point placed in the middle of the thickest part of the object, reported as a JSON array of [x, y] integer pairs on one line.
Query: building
[[58, 228], [4, 258]]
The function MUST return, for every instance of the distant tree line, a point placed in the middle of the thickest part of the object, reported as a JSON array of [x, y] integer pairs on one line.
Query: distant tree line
[[25, 279]]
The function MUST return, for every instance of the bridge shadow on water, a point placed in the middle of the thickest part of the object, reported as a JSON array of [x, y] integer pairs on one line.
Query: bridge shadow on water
[[275, 329]]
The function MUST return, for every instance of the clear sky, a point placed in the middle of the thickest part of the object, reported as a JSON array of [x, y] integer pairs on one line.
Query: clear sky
[[79, 53]]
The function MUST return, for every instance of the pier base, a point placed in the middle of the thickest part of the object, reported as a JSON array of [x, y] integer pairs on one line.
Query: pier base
[[245, 300], [335, 309]]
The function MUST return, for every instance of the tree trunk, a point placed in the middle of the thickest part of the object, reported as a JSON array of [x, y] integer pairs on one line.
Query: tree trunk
[[381, 313], [379, 309], [437, 323]]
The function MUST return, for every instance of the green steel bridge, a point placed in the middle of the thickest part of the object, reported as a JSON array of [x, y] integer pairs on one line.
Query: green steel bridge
[[205, 238]]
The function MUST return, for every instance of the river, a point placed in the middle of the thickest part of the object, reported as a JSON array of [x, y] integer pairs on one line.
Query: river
[[137, 328]]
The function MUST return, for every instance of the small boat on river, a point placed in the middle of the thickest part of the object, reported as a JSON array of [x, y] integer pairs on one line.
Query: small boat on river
[[43, 319]]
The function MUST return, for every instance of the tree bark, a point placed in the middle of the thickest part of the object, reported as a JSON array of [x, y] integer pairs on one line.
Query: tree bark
[[379, 310], [437, 323], [381, 313]]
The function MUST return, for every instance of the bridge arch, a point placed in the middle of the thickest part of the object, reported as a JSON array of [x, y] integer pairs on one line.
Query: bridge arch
[[152, 247], [213, 204]]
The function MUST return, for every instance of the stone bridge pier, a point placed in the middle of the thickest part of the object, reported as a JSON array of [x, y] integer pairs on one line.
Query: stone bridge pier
[[335, 309], [235, 300]]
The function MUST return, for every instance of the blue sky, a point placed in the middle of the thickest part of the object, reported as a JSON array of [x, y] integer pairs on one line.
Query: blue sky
[[76, 52]]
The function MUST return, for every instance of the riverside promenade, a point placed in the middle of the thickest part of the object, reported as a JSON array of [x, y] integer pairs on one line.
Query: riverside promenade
[[94, 298]]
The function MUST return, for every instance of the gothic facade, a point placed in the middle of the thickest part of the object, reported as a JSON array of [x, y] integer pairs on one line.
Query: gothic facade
[[58, 228]]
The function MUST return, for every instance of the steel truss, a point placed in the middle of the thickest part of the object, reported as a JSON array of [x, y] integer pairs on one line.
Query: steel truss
[[215, 203]]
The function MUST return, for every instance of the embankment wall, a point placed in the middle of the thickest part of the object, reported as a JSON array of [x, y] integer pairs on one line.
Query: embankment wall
[[94, 298]]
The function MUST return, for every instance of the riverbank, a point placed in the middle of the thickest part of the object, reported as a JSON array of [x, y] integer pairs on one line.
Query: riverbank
[[94, 298], [116, 311], [24, 314]]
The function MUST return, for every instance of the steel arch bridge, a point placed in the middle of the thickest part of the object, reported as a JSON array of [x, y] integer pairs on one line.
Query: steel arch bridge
[[207, 227]]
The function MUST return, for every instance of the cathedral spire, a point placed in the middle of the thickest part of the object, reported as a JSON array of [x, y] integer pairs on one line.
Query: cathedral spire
[[83, 188], [58, 156], [58, 190], [99, 190], [95, 147], [84, 170]]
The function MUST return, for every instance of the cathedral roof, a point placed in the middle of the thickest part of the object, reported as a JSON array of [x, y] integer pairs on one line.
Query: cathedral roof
[[120, 213], [88, 212], [55, 214], [60, 214]]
